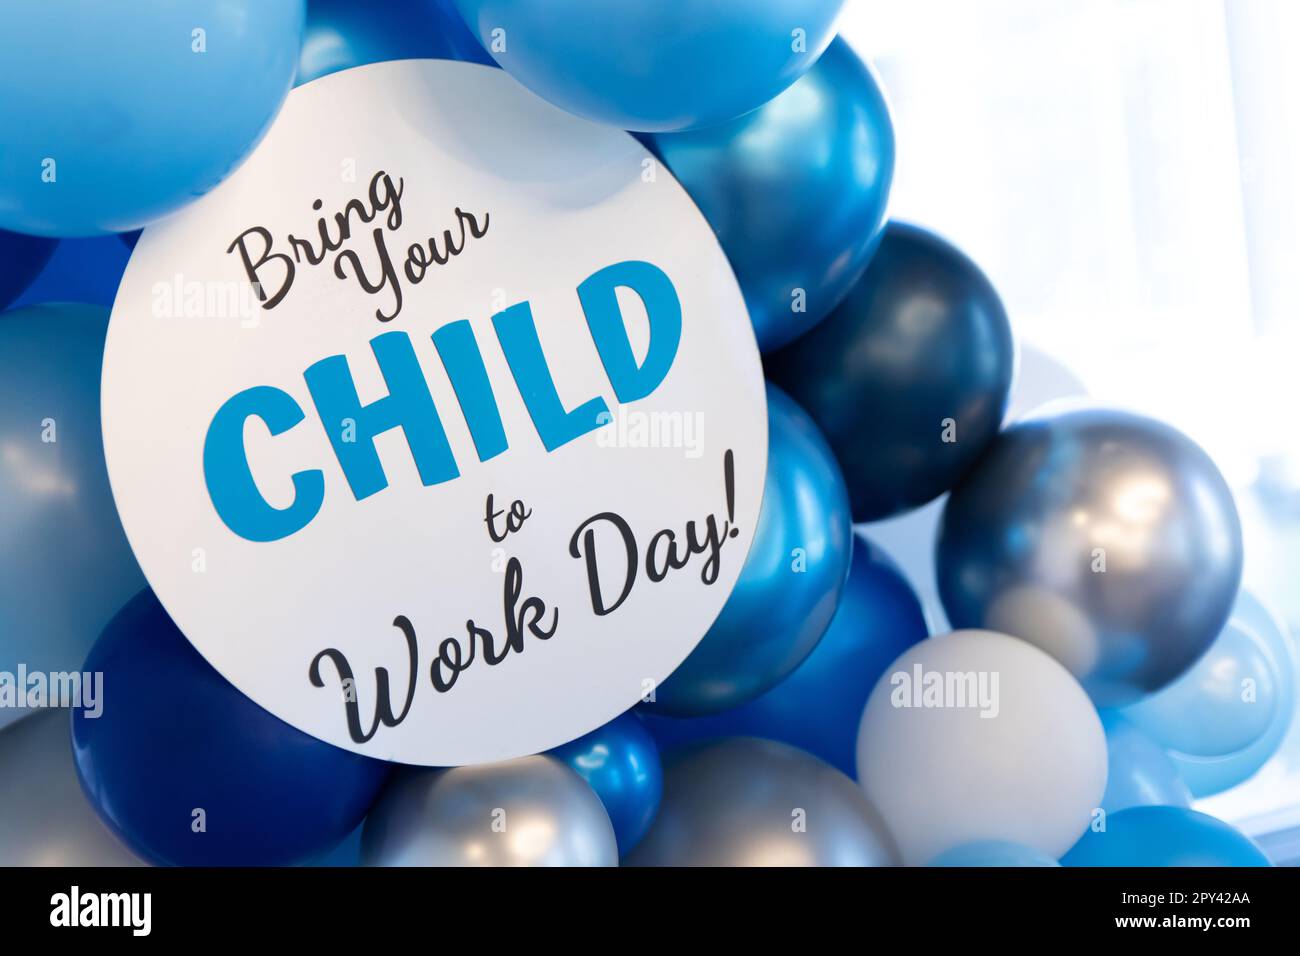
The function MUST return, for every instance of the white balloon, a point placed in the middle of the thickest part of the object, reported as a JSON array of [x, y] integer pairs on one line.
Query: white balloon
[[975, 735]]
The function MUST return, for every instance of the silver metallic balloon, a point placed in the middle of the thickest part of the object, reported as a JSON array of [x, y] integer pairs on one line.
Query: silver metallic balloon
[[748, 802], [1108, 539], [45, 819], [533, 811]]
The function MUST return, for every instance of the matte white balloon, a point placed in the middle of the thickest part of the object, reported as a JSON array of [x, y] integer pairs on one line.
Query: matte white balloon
[[748, 802], [45, 819], [975, 736], [533, 811]]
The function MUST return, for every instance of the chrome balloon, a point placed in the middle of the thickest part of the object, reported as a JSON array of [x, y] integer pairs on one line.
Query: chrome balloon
[[45, 819], [1108, 539], [749, 802], [533, 811]]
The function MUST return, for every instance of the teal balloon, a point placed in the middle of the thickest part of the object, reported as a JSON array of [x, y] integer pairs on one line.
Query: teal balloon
[[654, 66], [993, 853], [130, 110], [341, 34], [796, 191], [1164, 836], [819, 706], [1141, 773], [1207, 712], [791, 581], [621, 762], [1210, 775], [21, 260], [65, 565]]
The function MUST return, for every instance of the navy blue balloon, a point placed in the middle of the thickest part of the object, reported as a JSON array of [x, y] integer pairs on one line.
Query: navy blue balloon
[[1164, 836], [796, 191], [621, 762], [909, 377], [790, 584], [818, 707], [21, 260], [1139, 771], [341, 34], [175, 737], [81, 270]]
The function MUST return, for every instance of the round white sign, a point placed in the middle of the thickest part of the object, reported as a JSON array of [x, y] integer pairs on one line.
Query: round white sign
[[439, 427]]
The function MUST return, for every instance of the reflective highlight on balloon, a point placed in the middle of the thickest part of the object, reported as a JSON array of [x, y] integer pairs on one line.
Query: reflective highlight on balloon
[[533, 811], [815, 163], [908, 378], [747, 802], [1108, 539], [791, 581]]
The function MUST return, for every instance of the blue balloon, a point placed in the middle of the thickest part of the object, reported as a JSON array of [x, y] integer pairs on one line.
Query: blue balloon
[[993, 853], [621, 762], [909, 377], [1164, 836], [341, 34], [65, 565], [818, 707], [81, 270], [21, 260], [1140, 772], [796, 191], [654, 66], [130, 110], [1210, 775], [1211, 710], [790, 584], [175, 737]]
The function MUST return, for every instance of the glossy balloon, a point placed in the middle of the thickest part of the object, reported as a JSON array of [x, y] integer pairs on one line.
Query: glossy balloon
[[1165, 836], [654, 66], [81, 270], [1223, 704], [817, 707], [130, 110], [533, 811], [791, 581], [1210, 775], [21, 260], [748, 802], [621, 763], [1140, 772], [979, 736], [65, 565], [993, 853], [796, 191], [1108, 539], [45, 819], [176, 736], [908, 378], [341, 34]]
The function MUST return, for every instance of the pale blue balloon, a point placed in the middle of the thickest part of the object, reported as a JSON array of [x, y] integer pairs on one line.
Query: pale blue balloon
[[993, 853], [1209, 775], [115, 114], [1140, 771]]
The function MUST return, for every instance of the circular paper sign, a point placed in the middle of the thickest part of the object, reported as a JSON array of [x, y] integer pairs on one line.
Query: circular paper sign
[[439, 427]]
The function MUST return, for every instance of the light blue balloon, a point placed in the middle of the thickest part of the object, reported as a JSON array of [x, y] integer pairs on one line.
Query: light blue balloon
[[341, 34], [654, 66], [65, 565], [796, 191], [1207, 712], [993, 853], [1210, 775], [1164, 836], [791, 582], [130, 109], [1141, 773]]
